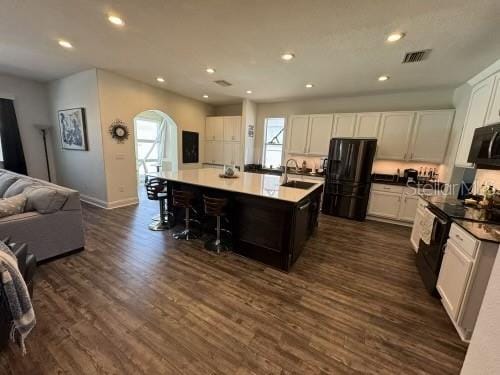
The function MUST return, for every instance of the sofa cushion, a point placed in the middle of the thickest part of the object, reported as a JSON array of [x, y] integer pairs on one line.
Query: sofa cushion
[[43, 199], [5, 181], [18, 187], [13, 205]]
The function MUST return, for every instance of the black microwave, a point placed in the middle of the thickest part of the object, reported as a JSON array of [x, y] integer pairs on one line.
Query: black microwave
[[485, 147]]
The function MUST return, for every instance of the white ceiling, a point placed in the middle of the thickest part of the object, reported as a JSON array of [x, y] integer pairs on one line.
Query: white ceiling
[[339, 44]]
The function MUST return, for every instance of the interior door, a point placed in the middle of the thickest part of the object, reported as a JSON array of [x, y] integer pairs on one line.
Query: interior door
[[430, 136], [395, 132], [344, 125], [297, 136], [453, 278]]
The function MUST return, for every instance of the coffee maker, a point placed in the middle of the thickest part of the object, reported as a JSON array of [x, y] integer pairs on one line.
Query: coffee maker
[[323, 163]]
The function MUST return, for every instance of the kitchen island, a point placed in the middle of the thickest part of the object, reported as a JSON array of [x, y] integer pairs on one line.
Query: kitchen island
[[269, 222]]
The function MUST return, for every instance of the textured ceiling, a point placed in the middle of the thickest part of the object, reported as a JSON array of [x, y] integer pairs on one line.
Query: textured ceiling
[[339, 44]]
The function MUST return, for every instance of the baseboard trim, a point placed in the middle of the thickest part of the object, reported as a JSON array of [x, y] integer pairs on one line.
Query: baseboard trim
[[389, 221], [93, 201], [122, 203], [109, 205]]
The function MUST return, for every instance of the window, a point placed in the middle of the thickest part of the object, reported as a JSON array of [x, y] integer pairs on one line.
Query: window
[[273, 141], [147, 145]]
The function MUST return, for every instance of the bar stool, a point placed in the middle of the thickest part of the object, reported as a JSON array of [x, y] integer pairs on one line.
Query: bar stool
[[216, 207], [156, 190], [184, 199]]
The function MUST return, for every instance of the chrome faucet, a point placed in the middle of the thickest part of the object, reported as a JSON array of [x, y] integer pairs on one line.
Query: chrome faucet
[[285, 176]]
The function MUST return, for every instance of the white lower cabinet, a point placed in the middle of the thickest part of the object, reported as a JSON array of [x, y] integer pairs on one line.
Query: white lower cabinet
[[214, 152], [408, 207], [416, 229], [463, 277], [231, 152], [384, 204]]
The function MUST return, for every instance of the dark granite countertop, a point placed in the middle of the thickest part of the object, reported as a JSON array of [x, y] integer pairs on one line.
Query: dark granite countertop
[[482, 231]]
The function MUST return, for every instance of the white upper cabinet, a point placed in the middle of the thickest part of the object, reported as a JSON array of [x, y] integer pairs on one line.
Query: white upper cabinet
[[494, 108], [475, 118], [395, 133], [214, 129], [297, 134], [320, 131], [430, 136], [367, 125], [344, 125], [232, 128]]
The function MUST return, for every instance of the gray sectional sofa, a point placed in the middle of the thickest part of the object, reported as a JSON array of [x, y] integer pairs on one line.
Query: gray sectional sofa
[[51, 221]]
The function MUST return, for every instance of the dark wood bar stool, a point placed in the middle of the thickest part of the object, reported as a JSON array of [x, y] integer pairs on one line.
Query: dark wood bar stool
[[184, 199], [156, 189], [216, 207]]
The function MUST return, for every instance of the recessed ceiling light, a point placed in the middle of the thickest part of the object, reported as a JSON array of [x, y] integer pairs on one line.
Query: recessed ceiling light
[[205, 96], [383, 78], [394, 37], [210, 70], [115, 20], [249, 91], [65, 44], [160, 79], [287, 56], [309, 86]]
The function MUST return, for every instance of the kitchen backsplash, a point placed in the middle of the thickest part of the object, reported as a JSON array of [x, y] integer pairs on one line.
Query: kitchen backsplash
[[391, 166], [487, 177]]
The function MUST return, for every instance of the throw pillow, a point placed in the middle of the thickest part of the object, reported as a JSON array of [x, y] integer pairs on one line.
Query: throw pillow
[[5, 181], [13, 205], [43, 199], [18, 187]]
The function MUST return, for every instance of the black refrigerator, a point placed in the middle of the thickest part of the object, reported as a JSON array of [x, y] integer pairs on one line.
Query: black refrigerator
[[348, 175]]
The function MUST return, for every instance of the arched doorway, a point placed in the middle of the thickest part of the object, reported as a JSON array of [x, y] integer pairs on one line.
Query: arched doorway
[[155, 143]]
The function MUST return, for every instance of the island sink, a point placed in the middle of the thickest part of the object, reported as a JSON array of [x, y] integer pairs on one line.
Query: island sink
[[299, 184]]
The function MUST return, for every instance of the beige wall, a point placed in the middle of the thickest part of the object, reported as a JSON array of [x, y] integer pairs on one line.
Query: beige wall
[[80, 170], [229, 110], [414, 100], [32, 108], [123, 98]]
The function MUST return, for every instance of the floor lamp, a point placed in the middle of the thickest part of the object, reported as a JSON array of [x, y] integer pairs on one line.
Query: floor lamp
[[44, 129]]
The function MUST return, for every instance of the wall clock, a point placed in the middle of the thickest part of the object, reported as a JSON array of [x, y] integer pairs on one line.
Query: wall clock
[[119, 131]]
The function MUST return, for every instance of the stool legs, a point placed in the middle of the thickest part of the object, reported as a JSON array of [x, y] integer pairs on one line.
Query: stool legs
[[217, 245], [162, 224], [187, 233]]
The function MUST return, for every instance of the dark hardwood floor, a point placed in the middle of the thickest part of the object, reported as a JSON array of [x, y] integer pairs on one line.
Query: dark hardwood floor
[[137, 301]]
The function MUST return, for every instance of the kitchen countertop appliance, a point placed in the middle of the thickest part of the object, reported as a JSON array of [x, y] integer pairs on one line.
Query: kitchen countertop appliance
[[410, 175], [485, 147], [348, 177]]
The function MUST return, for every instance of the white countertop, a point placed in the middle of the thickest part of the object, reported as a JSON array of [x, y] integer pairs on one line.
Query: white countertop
[[263, 185]]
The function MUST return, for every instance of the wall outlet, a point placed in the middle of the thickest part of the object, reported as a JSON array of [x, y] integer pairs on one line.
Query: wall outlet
[[121, 189]]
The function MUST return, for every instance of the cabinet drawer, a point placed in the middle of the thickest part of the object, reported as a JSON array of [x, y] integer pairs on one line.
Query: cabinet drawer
[[388, 188], [464, 241]]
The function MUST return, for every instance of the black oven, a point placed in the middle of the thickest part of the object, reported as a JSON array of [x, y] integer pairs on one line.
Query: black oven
[[485, 147], [430, 256]]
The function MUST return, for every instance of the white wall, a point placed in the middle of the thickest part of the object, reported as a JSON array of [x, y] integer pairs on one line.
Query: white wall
[[123, 98], [80, 170], [414, 100], [32, 107], [483, 355]]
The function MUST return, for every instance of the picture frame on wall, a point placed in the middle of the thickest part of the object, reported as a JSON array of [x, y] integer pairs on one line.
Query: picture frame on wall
[[73, 129], [190, 147]]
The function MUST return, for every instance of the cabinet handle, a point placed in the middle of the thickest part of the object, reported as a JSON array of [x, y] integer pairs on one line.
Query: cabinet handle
[[387, 188], [399, 199], [460, 238], [411, 156], [404, 156]]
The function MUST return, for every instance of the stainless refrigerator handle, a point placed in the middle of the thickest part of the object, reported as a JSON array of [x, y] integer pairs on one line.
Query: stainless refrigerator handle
[[490, 147]]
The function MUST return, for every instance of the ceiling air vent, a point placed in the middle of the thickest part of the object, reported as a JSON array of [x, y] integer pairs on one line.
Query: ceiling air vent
[[416, 56], [223, 83]]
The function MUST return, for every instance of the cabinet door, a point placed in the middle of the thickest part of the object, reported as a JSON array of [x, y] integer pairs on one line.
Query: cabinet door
[[408, 208], [475, 118], [344, 125], [297, 137], [395, 132], [430, 136], [367, 125], [384, 204], [453, 279], [494, 107], [236, 153], [415, 230], [320, 131], [232, 128], [214, 152], [214, 128]]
